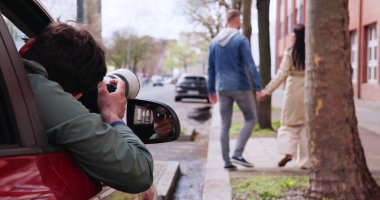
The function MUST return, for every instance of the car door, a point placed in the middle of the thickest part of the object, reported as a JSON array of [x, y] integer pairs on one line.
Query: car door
[[30, 167]]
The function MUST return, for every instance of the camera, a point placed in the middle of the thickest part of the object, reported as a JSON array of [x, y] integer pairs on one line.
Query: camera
[[132, 88], [132, 83]]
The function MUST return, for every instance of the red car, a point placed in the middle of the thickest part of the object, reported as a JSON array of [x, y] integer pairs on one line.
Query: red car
[[30, 167]]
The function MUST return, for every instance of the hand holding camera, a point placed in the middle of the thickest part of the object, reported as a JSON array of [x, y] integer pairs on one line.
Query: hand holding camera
[[111, 105], [110, 84]]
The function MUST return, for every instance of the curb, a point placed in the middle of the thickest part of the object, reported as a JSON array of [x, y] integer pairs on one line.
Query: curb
[[247, 172], [217, 180], [168, 173]]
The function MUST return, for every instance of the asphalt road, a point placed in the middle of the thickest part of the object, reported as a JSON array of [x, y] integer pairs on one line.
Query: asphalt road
[[192, 155]]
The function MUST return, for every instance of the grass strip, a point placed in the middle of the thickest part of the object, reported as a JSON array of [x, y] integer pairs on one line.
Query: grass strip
[[267, 187]]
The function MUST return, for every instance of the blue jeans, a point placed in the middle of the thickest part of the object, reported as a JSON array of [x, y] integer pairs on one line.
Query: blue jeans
[[246, 103]]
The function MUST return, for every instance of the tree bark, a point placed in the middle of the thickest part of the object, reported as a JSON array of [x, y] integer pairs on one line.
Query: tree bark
[[339, 165], [264, 107], [247, 26]]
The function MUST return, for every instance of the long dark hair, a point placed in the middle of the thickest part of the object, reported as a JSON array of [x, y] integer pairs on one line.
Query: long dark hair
[[298, 52]]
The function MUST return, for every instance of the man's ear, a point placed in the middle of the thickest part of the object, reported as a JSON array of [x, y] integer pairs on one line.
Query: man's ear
[[77, 95], [26, 46]]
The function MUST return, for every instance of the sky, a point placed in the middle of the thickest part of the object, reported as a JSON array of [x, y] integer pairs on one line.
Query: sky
[[157, 18], [64, 9], [161, 19]]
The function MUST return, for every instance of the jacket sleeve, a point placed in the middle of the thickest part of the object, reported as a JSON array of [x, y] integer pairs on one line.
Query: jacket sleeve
[[113, 155], [245, 51], [283, 72], [211, 72]]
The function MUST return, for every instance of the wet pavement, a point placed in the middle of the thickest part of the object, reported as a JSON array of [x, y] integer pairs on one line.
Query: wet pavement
[[200, 114]]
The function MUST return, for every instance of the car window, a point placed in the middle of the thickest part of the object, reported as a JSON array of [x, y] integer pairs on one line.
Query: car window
[[194, 78], [19, 119], [7, 135], [17, 36]]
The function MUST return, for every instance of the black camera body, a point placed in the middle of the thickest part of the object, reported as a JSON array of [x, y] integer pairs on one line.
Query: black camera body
[[111, 87]]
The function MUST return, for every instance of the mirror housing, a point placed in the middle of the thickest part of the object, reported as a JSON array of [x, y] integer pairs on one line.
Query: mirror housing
[[142, 115]]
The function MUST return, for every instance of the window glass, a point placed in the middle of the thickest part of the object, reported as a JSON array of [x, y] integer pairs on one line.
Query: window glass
[[18, 37], [299, 11], [290, 15], [372, 56], [7, 135], [354, 54], [375, 53], [374, 32], [282, 18]]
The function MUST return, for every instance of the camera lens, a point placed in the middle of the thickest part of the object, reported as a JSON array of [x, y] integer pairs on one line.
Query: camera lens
[[132, 83]]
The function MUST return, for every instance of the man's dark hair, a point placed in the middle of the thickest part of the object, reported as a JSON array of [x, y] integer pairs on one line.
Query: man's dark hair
[[70, 55]]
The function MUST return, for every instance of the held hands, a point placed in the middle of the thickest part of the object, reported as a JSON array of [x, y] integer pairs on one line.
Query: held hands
[[212, 98], [112, 105], [261, 95]]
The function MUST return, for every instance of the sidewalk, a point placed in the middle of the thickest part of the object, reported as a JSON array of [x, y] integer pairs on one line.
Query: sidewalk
[[262, 152]]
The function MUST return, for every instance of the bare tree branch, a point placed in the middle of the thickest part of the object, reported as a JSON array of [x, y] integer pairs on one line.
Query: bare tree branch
[[207, 13]]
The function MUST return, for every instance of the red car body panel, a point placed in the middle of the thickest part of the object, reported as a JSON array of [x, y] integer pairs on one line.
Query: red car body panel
[[44, 176]]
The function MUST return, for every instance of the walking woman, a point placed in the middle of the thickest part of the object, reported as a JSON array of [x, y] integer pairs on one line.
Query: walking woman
[[292, 134]]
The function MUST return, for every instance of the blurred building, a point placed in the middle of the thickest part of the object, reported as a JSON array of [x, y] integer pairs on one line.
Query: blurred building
[[364, 17], [289, 13]]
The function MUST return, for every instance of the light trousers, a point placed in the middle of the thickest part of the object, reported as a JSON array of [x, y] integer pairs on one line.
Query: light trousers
[[293, 140]]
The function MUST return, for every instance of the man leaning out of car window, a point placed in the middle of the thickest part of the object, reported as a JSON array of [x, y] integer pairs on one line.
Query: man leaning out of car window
[[63, 62]]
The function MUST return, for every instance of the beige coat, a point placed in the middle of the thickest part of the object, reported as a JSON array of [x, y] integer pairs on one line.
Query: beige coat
[[293, 112]]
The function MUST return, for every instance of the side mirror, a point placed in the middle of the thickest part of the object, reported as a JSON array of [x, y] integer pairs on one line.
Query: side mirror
[[142, 115]]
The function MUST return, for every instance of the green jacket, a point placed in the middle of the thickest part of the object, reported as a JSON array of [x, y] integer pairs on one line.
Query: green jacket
[[113, 155]]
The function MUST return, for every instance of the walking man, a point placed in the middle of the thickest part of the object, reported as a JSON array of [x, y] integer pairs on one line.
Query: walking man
[[230, 55]]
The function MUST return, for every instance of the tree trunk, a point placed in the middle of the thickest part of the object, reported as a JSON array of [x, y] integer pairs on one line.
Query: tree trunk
[[134, 68], [247, 27], [264, 107], [185, 66], [339, 165]]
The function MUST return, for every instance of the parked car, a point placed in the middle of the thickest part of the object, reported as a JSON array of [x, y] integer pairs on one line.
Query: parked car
[[31, 167], [191, 86], [158, 82]]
